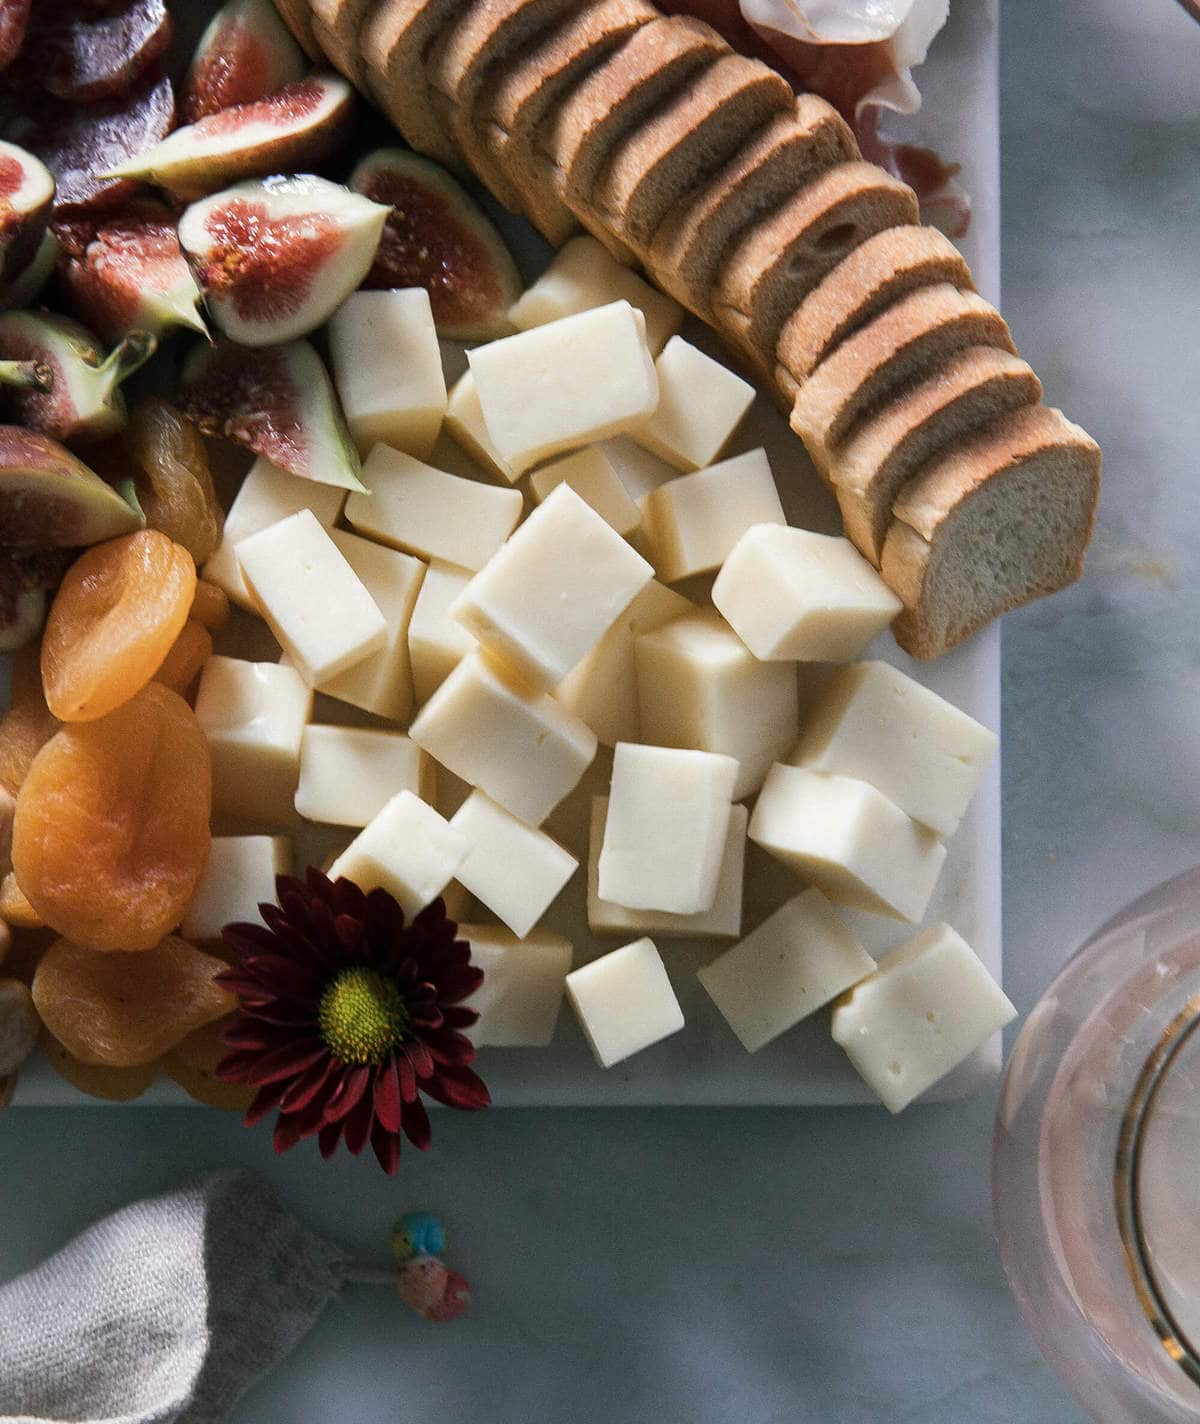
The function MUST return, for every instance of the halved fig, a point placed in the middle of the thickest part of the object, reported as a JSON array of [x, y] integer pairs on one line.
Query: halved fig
[[274, 258], [246, 53], [49, 499], [437, 237], [298, 125], [26, 193], [29, 281], [277, 401], [26, 375], [14, 20], [83, 55]]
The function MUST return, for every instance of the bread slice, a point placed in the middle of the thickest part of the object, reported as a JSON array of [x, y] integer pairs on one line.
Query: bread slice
[[394, 43], [337, 29], [296, 15], [975, 386], [885, 267], [998, 519]]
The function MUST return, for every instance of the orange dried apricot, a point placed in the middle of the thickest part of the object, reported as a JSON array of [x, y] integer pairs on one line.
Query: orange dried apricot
[[15, 908], [111, 833], [192, 1064], [114, 1085], [189, 652], [210, 605], [28, 724], [173, 481]]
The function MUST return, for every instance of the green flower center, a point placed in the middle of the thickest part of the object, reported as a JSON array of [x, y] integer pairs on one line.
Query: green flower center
[[362, 1016]]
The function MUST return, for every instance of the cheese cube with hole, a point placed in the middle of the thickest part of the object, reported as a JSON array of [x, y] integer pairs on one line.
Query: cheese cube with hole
[[549, 595], [522, 989], [513, 869], [407, 849], [523, 749], [848, 840], [624, 1002], [388, 369], [312, 600], [550, 389], [799, 959], [464, 421], [793, 594], [437, 643], [701, 403], [582, 275], [348, 774], [427, 512], [266, 495], [637, 469], [873, 722], [699, 686], [240, 876], [693, 522], [665, 832], [591, 475], [930, 1004], [254, 715]]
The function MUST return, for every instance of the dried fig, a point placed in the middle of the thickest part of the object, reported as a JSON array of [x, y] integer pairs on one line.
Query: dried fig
[[26, 193], [174, 484], [246, 53], [84, 55]]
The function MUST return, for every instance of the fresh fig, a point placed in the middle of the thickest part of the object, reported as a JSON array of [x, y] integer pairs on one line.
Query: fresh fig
[[277, 401], [26, 375], [49, 499], [26, 193], [84, 401], [246, 53], [298, 125], [14, 20], [275, 258], [30, 280], [85, 55], [437, 237]]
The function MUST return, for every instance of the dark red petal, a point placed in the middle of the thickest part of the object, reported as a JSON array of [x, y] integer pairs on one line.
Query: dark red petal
[[346, 1096], [358, 1125], [386, 1146], [308, 1087], [416, 1125], [457, 984], [458, 1017], [328, 1139], [408, 1077], [288, 1062], [446, 1046], [458, 1088], [287, 1134], [422, 1059], [387, 1095], [264, 1102], [251, 1036]]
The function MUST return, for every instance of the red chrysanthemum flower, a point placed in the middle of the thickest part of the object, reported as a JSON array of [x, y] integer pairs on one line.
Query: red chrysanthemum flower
[[346, 1014]]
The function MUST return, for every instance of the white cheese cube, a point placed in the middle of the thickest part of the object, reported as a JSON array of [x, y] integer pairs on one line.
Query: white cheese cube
[[548, 596], [348, 774], [849, 840], [437, 643], [253, 715], [565, 384], [930, 1004], [666, 828], [591, 475], [637, 469], [624, 1002], [522, 989], [408, 850], [388, 369], [699, 686], [694, 521], [874, 723], [583, 274], [793, 594], [723, 921], [425, 511], [514, 869], [523, 749], [240, 876], [700, 405], [465, 422], [799, 959], [266, 495]]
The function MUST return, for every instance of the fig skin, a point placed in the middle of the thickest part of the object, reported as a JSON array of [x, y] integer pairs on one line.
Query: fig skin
[[27, 284], [85, 55], [49, 499], [246, 53], [26, 194], [14, 22]]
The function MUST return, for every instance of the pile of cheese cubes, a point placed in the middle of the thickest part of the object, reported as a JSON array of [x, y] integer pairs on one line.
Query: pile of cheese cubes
[[511, 645]]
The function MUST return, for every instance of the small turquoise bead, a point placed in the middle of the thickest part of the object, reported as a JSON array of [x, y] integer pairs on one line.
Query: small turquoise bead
[[417, 1233]]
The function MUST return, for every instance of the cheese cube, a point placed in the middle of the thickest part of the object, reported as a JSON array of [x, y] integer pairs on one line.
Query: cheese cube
[[694, 521], [388, 369], [583, 274], [425, 511], [523, 749], [465, 422], [849, 840], [930, 1004], [700, 405], [799, 959], [240, 876], [568, 383], [254, 716], [437, 643], [624, 1002], [549, 595], [407, 849], [348, 774], [311, 598], [591, 475], [637, 469], [666, 828], [699, 686], [793, 594], [522, 989], [874, 723], [513, 869], [266, 495], [723, 921]]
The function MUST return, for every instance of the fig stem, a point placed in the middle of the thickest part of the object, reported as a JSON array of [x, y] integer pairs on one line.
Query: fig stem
[[26, 375], [129, 355]]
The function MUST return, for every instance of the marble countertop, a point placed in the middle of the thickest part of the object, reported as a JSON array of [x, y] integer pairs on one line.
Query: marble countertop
[[831, 1266]]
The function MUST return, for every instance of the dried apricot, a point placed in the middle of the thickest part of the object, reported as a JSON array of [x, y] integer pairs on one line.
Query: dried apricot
[[111, 834], [119, 609], [210, 605], [192, 1063], [15, 908], [189, 652], [173, 481], [6, 941], [28, 724], [114, 1085]]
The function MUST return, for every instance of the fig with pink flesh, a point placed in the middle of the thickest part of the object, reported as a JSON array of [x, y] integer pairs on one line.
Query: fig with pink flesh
[[275, 258], [246, 53], [277, 401], [49, 499], [84, 55], [297, 126], [437, 237], [26, 193], [14, 21], [29, 281]]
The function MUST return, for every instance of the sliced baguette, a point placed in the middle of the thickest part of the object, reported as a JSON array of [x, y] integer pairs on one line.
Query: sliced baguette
[[336, 28], [998, 519], [394, 42], [297, 16]]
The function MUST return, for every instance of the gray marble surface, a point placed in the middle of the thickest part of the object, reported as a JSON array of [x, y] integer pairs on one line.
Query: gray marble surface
[[766, 1266]]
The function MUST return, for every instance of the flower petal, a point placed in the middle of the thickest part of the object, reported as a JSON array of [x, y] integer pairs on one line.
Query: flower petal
[[386, 1146], [446, 1046], [387, 1095], [328, 1139], [308, 1086], [266, 1099], [287, 1062], [356, 1078], [458, 1088], [416, 1125], [358, 1125]]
